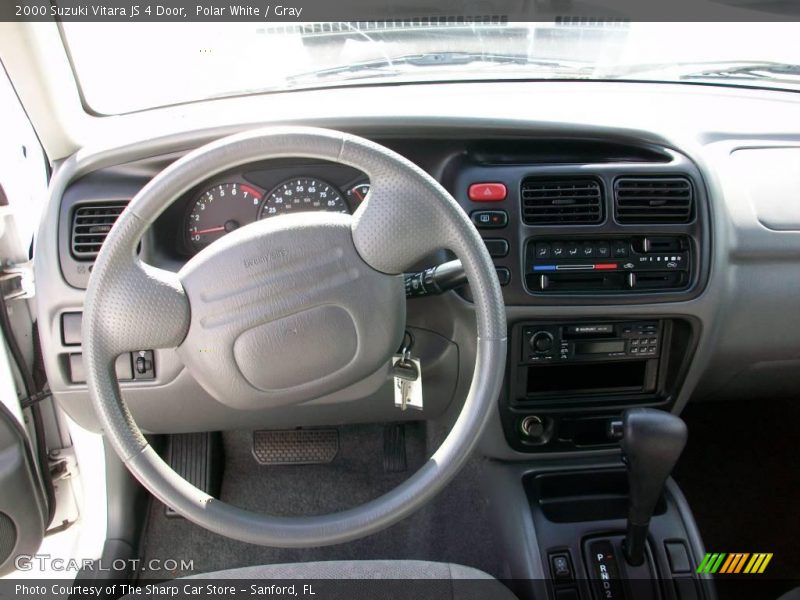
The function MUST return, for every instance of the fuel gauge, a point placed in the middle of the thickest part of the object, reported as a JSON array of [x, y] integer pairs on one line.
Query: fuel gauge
[[357, 194]]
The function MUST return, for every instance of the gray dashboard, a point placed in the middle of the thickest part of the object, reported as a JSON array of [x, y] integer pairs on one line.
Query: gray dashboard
[[741, 308]]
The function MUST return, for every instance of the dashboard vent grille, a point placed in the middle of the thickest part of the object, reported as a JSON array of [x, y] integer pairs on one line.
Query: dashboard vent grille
[[653, 199], [90, 226], [561, 201]]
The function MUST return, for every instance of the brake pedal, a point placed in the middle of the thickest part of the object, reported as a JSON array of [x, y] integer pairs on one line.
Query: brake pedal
[[198, 458], [296, 446], [394, 448]]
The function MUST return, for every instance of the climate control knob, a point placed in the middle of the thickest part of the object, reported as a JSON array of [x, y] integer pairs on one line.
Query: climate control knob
[[541, 342]]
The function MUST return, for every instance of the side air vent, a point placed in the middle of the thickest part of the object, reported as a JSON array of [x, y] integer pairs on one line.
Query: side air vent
[[90, 226], [653, 199], [561, 201]]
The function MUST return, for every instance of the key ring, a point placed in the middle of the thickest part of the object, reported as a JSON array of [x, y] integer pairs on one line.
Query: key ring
[[405, 348]]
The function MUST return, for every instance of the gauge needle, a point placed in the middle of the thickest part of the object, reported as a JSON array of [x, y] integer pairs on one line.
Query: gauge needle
[[358, 195], [210, 230]]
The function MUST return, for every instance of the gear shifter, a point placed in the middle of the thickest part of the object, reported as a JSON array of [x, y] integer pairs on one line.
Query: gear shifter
[[652, 441]]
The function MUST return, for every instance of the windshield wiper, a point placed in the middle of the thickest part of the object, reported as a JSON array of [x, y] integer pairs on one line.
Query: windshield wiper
[[766, 70], [389, 66], [760, 71]]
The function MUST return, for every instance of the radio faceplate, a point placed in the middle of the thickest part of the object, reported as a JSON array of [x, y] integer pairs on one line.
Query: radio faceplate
[[585, 342]]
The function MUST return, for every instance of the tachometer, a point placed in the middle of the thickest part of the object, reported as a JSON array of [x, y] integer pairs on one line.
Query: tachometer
[[302, 195], [221, 209]]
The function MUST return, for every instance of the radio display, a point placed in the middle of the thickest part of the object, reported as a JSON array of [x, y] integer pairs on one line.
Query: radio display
[[600, 347]]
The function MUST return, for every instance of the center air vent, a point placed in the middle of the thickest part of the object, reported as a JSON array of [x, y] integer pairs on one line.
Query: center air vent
[[90, 226], [653, 199], [561, 201]]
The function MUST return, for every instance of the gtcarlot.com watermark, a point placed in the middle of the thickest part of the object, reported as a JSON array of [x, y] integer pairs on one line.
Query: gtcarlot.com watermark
[[46, 562]]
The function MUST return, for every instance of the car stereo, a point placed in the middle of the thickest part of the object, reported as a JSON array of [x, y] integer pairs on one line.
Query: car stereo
[[585, 342]]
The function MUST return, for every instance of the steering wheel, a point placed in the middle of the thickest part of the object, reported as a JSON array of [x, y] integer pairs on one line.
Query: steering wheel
[[326, 289]]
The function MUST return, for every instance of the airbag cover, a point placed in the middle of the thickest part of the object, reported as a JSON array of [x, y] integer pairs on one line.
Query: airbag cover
[[333, 329], [285, 311]]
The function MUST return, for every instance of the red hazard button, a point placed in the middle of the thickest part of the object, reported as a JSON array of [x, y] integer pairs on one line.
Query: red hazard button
[[487, 192]]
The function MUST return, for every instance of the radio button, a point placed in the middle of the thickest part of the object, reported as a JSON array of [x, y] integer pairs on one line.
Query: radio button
[[542, 341]]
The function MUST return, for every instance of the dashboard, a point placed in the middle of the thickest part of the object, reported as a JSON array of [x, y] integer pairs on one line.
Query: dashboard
[[631, 256]]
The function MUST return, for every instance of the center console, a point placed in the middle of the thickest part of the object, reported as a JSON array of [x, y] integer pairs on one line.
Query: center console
[[579, 517]]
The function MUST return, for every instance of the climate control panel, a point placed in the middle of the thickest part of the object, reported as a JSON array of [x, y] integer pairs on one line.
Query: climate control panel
[[614, 264]]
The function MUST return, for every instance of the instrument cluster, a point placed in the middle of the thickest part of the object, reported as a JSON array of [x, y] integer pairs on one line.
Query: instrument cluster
[[228, 202]]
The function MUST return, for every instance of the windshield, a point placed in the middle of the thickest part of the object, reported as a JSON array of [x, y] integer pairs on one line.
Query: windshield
[[125, 67]]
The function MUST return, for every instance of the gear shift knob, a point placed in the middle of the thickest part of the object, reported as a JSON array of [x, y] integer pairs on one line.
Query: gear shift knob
[[652, 441]]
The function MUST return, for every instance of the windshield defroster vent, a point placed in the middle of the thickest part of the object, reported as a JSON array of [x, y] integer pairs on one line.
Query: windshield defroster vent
[[653, 199], [562, 201], [90, 226]]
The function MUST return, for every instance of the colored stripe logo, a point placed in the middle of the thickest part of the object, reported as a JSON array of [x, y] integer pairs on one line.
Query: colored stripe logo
[[734, 563]]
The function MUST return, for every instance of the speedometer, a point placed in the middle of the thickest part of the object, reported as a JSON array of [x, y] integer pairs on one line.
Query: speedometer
[[302, 195]]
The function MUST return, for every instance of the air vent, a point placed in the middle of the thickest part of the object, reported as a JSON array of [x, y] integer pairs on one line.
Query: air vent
[[561, 201], [653, 199], [90, 226]]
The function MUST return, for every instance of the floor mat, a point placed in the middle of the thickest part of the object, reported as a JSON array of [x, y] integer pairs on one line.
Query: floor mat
[[740, 473], [452, 528]]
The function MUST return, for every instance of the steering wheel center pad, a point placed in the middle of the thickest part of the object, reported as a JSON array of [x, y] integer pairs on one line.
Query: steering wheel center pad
[[285, 311]]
